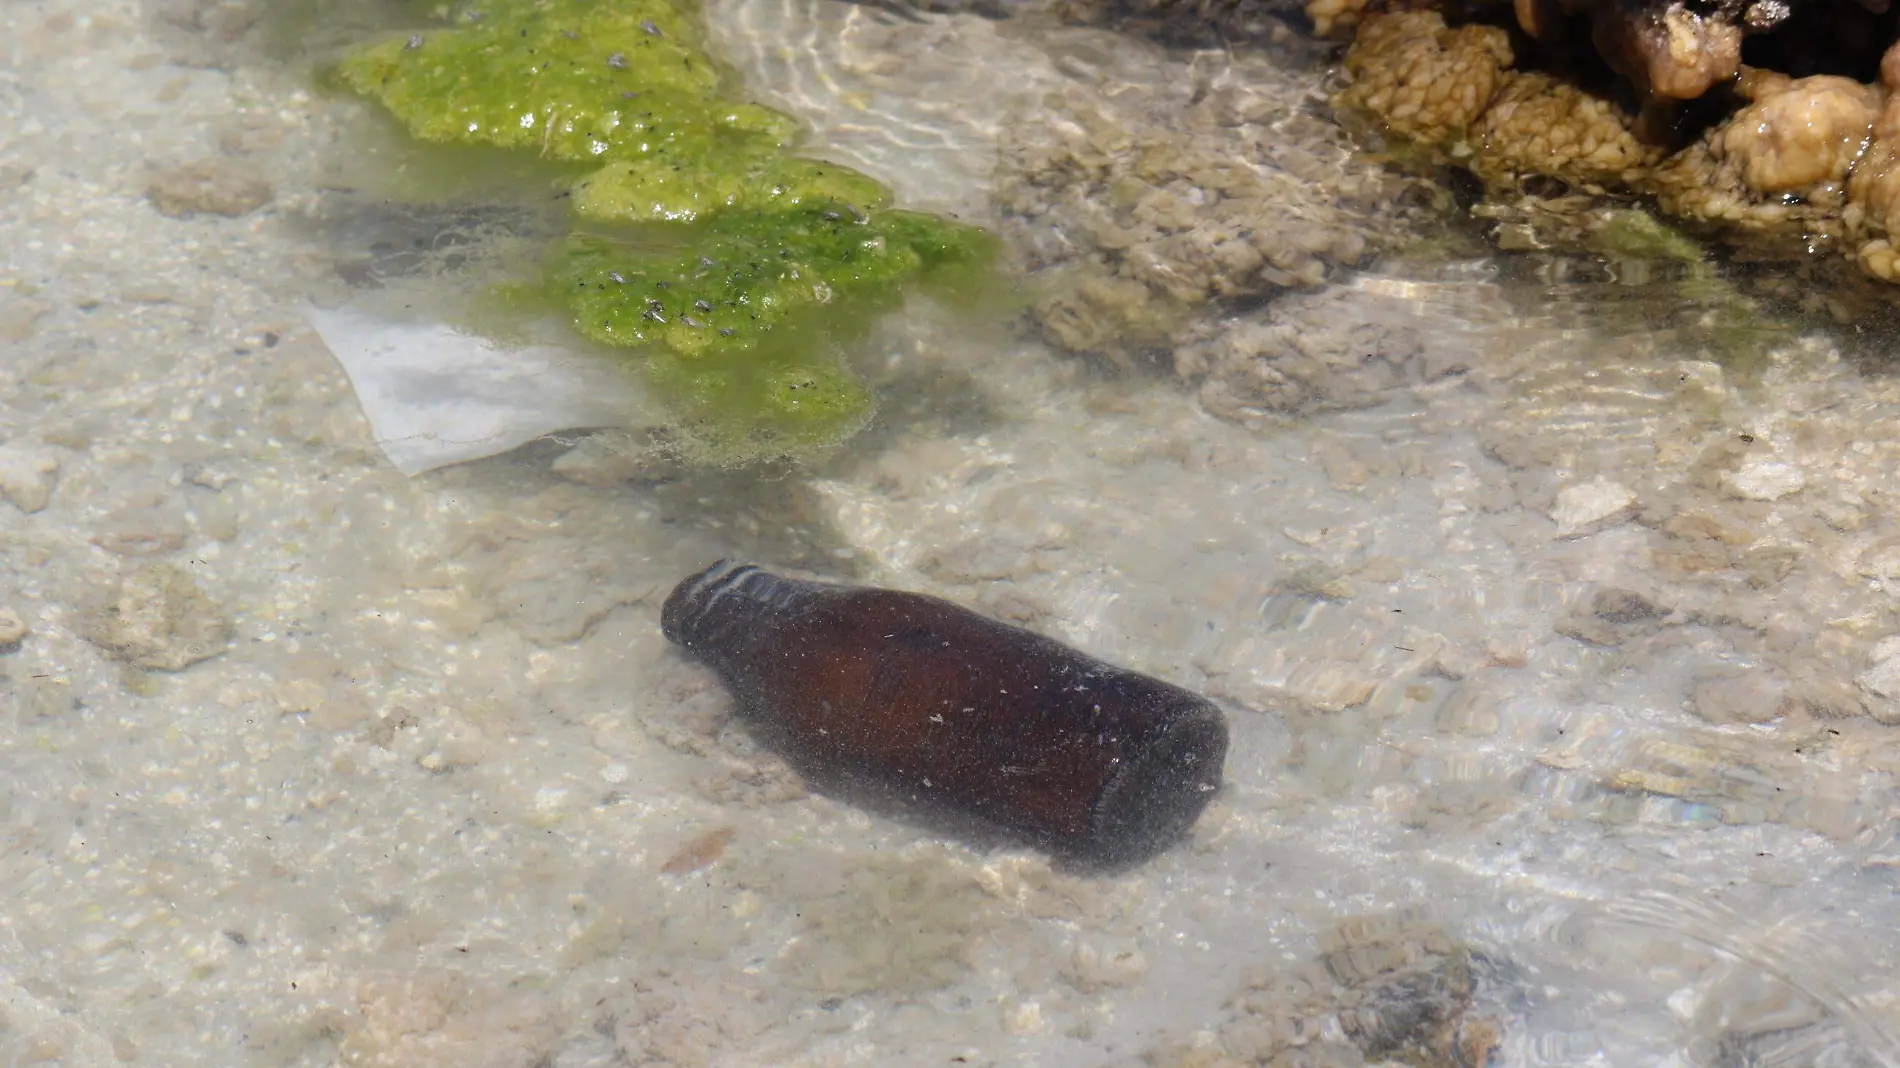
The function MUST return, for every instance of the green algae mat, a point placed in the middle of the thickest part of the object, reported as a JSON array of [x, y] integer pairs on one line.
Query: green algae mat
[[728, 270]]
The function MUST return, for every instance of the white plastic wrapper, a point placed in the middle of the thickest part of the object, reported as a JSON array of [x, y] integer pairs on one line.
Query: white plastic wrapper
[[436, 396]]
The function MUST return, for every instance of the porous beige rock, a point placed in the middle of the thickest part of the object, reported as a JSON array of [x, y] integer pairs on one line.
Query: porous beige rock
[[1873, 195], [1276, 367], [1537, 124], [1423, 79], [1798, 133], [1880, 560], [1781, 161], [1883, 678]]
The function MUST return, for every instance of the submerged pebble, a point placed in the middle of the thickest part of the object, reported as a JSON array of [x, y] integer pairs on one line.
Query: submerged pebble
[[13, 630], [27, 476], [1765, 480], [159, 620], [208, 187]]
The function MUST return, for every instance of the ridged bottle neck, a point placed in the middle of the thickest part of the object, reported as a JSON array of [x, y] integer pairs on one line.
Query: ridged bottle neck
[[723, 607]]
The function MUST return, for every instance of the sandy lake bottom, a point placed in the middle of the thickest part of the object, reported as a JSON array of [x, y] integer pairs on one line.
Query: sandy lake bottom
[[1561, 653]]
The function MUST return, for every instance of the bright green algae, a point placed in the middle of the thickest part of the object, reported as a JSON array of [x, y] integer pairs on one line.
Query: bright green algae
[[662, 189], [747, 274], [570, 79], [745, 315], [730, 269]]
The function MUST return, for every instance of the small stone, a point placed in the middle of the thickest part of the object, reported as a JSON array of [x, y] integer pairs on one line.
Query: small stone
[[1513, 651], [1100, 961], [1827, 697], [1330, 686], [434, 1018], [1766, 565], [1588, 507], [302, 695], [209, 475], [142, 532], [208, 187], [1843, 516], [160, 621], [1751, 697], [382, 733], [1023, 1018], [18, 317], [1457, 660], [1590, 631], [1881, 561], [753, 784], [1615, 605], [1883, 679], [700, 853], [248, 135], [1764, 480], [13, 630], [27, 476], [1471, 710], [1694, 526]]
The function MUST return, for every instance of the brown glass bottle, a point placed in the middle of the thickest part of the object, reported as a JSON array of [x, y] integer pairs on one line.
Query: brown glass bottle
[[1080, 757]]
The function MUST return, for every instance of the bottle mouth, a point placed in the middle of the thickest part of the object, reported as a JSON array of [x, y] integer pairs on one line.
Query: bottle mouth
[[693, 599], [1154, 799]]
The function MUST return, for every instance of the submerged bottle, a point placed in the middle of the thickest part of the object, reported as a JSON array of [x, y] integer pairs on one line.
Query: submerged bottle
[[954, 709]]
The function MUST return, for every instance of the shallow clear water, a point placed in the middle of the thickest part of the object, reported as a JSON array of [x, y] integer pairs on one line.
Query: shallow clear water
[[1556, 647]]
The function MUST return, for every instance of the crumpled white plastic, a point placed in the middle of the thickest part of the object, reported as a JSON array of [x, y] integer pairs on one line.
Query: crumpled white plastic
[[436, 396]]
